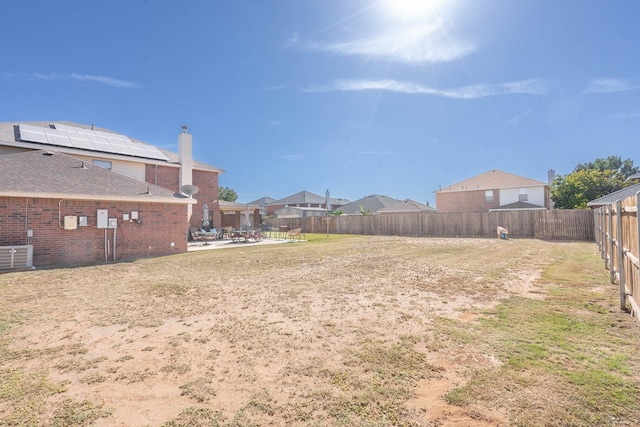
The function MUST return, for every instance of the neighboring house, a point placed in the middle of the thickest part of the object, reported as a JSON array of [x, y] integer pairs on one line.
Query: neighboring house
[[370, 204], [64, 210], [494, 190], [122, 154], [615, 196], [263, 202], [304, 199], [296, 212], [405, 206]]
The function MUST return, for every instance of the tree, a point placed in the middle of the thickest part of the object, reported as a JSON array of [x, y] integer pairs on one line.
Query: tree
[[227, 194], [590, 181], [614, 163], [365, 211]]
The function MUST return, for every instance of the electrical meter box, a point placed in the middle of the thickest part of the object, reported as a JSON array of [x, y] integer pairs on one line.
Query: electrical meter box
[[113, 223], [70, 222], [103, 218]]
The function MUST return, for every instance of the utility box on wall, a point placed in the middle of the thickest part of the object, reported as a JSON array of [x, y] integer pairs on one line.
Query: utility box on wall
[[103, 218], [70, 222]]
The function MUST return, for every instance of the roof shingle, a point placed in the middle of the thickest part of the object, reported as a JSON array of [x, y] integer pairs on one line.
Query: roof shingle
[[45, 173]]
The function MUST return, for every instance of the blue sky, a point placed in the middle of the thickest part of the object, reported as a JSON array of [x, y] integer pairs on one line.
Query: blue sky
[[393, 97]]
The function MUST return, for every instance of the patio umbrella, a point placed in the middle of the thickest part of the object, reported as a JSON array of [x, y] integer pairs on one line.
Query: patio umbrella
[[247, 219], [205, 215]]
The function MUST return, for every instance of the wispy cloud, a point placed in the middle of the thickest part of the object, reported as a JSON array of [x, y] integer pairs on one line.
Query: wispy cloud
[[102, 80], [608, 86], [291, 157], [292, 40], [530, 87], [275, 123], [413, 44], [274, 87], [517, 119], [49, 76]]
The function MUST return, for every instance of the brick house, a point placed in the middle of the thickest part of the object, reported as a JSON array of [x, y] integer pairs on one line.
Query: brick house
[[494, 190], [67, 211], [168, 211], [124, 155]]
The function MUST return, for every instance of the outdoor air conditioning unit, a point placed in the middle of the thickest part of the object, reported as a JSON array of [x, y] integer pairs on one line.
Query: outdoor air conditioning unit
[[16, 257]]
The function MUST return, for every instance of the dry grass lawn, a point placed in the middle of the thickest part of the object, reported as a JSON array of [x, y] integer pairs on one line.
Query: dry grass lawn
[[340, 331]]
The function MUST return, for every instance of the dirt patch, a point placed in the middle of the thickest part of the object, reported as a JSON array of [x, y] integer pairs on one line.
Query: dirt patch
[[429, 394], [303, 334]]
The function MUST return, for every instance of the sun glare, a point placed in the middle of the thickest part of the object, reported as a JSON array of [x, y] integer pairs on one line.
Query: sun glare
[[408, 10]]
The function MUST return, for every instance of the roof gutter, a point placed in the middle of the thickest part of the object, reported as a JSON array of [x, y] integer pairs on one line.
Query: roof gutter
[[142, 198]]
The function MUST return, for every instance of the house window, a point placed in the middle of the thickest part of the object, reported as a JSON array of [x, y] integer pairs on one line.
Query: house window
[[488, 196], [102, 163], [522, 195]]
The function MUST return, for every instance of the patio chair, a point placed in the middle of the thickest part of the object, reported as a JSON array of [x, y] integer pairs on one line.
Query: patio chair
[[294, 234], [195, 235], [256, 235]]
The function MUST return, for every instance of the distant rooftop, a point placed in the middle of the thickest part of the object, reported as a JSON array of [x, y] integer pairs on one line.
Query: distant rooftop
[[491, 180]]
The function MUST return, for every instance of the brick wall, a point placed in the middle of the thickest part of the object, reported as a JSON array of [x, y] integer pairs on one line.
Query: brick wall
[[163, 176], [160, 224], [466, 201], [207, 182]]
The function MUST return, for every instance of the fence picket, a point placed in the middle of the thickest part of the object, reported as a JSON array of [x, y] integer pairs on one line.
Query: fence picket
[[543, 224]]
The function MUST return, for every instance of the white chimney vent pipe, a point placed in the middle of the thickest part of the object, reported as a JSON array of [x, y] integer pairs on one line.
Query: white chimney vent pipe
[[185, 157]]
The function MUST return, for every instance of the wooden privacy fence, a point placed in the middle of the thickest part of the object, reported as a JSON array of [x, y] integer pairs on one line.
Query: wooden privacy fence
[[618, 238], [541, 224]]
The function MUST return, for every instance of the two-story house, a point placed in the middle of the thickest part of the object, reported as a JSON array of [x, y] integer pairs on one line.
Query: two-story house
[[494, 190]]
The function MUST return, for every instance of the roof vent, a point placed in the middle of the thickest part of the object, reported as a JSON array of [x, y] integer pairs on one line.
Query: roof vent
[[47, 153]]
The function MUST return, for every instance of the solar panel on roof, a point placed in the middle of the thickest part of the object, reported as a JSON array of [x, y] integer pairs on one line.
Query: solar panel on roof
[[88, 139], [84, 131], [32, 133], [82, 142], [64, 127]]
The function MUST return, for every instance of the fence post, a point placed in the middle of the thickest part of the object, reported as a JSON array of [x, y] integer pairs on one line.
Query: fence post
[[635, 297], [623, 295], [610, 264]]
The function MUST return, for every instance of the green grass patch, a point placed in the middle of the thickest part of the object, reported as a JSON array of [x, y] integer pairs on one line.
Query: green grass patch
[[563, 345], [24, 396], [72, 413], [369, 390], [326, 238]]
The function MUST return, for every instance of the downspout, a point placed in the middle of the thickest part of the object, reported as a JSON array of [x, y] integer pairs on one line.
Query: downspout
[[26, 219], [59, 203]]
